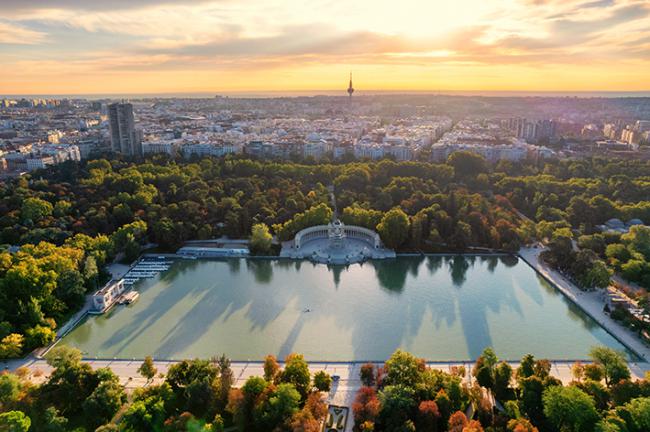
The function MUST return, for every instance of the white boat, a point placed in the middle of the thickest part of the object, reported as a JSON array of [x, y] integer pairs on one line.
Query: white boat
[[130, 297]]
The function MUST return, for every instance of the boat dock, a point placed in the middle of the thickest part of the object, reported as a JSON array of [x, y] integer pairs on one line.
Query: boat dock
[[146, 268]]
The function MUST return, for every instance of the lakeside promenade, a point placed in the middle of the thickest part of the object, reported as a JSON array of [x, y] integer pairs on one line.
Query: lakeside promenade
[[342, 393], [591, 302]]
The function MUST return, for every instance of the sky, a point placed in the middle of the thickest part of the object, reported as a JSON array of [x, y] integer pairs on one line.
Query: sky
[[221, 46]]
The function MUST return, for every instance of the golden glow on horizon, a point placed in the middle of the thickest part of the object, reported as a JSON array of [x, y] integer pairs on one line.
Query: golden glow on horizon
[[290, 45]]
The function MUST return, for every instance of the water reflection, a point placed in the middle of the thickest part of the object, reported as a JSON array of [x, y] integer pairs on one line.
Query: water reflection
[[441, 308], [459, 267], [261, 268]]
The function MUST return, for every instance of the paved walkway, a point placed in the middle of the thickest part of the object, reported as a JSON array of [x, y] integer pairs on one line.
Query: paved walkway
[[591, 302], [342, 393]]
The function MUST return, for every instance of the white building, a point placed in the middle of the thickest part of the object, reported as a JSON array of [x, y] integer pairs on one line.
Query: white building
[[168, 147], [106, 297], [37, 163], [207, 149]]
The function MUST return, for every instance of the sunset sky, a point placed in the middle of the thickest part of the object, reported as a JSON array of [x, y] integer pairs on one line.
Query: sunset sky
[[142, 46]]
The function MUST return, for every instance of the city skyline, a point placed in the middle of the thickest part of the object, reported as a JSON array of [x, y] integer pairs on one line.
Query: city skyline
[[158, 46]]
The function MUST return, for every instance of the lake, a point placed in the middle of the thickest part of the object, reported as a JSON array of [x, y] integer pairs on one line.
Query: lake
[[437, 307]]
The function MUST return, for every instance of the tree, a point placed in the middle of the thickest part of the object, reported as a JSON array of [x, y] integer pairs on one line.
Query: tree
[[613, 363], [14, 421], [594, 372], [103, 403], [35, 209], [278, 409], [147, 369], [366, 405], [502, 377], [639, 410], [639, 239], [521, 425], [531, 390], [398, 403], [526, 366], [10, 387], [145, 414], [39, 336], [402, 368], [62, 356], [367, 375], [322, 381], [226, 380], [271, 368], [484, 368], [569, 408], [457, 422], [428, 416], [11, 346], [467, 164], [261, 238], [296, 372], [91, 272], [394, 228], [53, 422]]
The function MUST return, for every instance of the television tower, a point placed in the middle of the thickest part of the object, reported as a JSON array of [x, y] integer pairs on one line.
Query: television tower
[[350, 88]]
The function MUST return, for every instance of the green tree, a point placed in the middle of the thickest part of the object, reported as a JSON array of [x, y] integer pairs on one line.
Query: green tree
[[394, 228], [467, 164], [502, 377], [11, 346], [261, 238], [639, 410], [398, 404], [145, 415], [10, 387], [147, 369], [53, 422], [613, 363], [322, 381], [14, 421], [403, 368], [296, 372], [63, 356], [39, 336], [103, 403], [35, 209], [278, 409], [569, 408], [226, 380]]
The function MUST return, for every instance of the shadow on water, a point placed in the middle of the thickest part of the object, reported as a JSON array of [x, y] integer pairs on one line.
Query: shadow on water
[[492, 262], [391, 274], [162, 301], [287, 346], [423, 304], [458, 268], [234, 264], [509, 260], [434, 263], [262, 270], [336, 274]]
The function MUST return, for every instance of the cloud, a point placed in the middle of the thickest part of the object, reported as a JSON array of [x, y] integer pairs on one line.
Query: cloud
[[88, 5], [14, 34]]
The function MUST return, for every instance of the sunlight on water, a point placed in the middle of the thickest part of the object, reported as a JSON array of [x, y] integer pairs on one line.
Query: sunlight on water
[[439, 308]]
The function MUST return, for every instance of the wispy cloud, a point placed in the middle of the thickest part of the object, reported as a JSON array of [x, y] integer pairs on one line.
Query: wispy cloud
[[466, 38], [18, 35]]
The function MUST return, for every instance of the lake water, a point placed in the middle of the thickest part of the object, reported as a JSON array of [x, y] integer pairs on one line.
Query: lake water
[[439, 308]]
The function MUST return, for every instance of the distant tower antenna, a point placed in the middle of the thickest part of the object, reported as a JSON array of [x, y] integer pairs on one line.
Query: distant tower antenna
[[350, 88]]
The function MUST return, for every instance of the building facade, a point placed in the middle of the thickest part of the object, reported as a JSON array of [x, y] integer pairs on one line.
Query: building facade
[[125, 139]]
